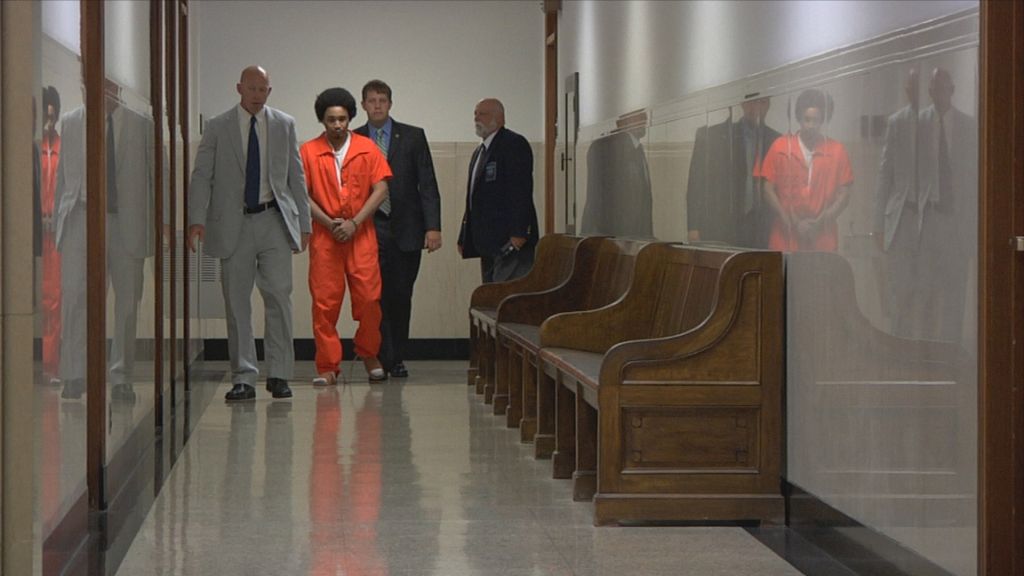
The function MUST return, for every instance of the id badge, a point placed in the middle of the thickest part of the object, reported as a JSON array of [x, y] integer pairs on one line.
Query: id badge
[[491, 172]]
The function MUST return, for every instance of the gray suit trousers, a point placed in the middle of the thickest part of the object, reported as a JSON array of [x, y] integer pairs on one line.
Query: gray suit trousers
[[263, 257]]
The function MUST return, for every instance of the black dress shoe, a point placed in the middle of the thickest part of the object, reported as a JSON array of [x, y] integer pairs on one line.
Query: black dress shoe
[[123, 393], [399, 371], [240, 392], [278, 388]]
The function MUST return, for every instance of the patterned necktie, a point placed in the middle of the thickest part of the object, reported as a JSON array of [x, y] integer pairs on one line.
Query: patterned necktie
[[382, 143], [478, 160], [945, 169], [252, 168], [111, 168]]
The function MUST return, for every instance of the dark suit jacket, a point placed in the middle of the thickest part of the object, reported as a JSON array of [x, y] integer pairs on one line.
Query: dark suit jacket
[[717, 185], [415, 201], [502, 199], [619, 199]]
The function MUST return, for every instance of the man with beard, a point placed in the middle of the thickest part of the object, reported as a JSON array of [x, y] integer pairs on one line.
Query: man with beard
[[500, 222]]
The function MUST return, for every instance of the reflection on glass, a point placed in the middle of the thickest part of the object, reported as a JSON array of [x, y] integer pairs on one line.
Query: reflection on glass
[[70, 234], [130, 238], [619, 199], [48, 159], [807, 180], [724, 197], [926, 199], [882, 355], [59, 229]]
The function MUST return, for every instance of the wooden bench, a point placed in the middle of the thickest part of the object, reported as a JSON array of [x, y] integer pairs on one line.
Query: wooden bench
[[553, 262], [601, 274], [669, 404]]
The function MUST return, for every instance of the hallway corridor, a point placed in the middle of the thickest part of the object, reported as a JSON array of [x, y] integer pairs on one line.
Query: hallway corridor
[[402, 478]]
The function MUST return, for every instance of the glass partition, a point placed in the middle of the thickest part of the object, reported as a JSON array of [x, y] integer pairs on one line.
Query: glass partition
[[865, 176], [131, 236], [60, 271], [882, 343]]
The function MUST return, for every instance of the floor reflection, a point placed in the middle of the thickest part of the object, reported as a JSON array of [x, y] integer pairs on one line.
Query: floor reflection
[[397, 479]]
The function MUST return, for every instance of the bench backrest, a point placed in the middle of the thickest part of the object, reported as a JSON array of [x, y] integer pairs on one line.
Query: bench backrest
[[688, 288], [552, 265], [610, 271]]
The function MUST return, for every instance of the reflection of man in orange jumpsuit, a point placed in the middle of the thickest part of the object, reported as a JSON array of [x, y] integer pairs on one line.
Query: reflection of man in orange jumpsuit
[[346, 176], [807, 181], [49, 158]]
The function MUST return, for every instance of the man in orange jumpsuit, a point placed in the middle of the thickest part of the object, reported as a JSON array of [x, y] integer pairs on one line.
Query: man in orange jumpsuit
[[807, 181], [346, 176], [50, 157]]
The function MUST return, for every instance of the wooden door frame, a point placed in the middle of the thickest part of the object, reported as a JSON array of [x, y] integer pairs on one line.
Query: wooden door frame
[[94, 70], [1001, 292]]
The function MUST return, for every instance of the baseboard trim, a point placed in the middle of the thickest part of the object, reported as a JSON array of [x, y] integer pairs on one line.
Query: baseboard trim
[[216, 349], [823, 540]]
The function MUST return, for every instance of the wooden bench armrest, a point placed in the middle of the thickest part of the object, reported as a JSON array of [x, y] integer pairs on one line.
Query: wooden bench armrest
[[535, 307], [627, 318], [744, 329], [490, 295]]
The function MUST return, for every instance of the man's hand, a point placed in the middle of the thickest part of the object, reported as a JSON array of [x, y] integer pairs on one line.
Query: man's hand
[[346, 230], [517, 241], [459, 246], [432, 240], [305, 243], [166, 234], [195, 231], [336, 230]]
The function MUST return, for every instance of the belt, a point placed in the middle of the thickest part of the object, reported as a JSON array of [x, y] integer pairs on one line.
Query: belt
[[260, 207]]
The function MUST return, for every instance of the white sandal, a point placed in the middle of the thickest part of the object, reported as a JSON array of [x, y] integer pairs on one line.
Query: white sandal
[[328, 380]]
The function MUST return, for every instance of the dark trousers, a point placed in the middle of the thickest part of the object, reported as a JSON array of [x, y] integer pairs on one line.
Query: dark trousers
[[398, 271]]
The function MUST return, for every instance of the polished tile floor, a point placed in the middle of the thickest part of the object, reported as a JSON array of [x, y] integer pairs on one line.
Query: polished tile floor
[[402, 478]]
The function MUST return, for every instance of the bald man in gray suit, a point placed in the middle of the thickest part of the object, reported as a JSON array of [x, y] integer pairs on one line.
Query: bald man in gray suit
[[248, 204], [130, 238]]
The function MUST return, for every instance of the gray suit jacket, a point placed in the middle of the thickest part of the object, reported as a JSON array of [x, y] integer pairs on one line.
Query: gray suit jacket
[[898, 175], [963, 155], [135, 177], [217, 192]]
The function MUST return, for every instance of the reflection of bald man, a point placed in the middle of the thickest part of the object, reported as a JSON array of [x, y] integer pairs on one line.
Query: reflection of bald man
[[130, 239], [947, 215], [897, 205], [248, 204]]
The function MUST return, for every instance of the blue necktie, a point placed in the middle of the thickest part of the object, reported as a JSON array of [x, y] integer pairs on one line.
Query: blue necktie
[[252, 168], [382, 143]]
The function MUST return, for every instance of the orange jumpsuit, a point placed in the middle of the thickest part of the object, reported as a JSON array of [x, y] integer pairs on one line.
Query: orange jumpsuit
[[332, 264], [49, 158]]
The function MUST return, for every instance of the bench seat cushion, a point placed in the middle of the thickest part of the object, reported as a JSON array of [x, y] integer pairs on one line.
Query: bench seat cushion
[[526, 336], [584, 367]]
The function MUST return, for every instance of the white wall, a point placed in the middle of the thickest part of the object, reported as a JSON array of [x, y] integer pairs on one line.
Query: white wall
[[635, 54], [439, 58]]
